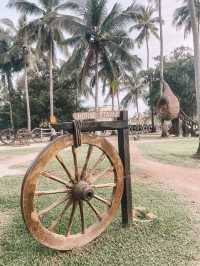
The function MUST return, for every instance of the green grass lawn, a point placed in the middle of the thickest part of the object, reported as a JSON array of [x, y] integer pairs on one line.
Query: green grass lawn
[[172, 240], [177, 152]]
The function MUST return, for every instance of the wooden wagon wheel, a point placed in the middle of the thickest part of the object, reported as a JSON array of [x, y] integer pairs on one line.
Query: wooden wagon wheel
[[7, 136], [66, 207]]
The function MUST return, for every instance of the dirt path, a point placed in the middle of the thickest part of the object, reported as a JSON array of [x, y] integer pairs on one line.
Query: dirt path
[[7, 164], [17, 164], [185, 181]]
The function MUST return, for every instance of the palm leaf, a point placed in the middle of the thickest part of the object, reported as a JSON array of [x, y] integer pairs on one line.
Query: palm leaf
[[9, 23], [26, 7], [68, 5], [109, 20]]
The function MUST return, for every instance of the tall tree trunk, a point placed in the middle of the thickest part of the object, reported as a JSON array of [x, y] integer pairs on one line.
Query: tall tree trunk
[[152, 109], [147, 44], [10, 92], [164, 133], [136, 103], [113, 99], [152, 120], [161, 49], [198, 17], [26, 89], [191, 5], [10, 84], [77, 99], [150, 86], [51, 79], [97, 81], [11, 115], [118, 101]]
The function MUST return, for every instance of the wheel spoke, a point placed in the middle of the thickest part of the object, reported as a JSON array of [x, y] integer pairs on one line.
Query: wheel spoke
[[60, 160], [55, 178], [109, 185], [44, 193], [108, 203], [83, 174], [94, 178], [55, 223], [94, 210], [69, 226], [82, 217], [75, 163], [99, 160], [54, 205]]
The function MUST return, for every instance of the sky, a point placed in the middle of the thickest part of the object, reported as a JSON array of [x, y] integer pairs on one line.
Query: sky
[[172, 37]]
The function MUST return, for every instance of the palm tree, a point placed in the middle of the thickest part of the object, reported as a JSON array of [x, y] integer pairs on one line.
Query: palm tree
[[5, 99], [42, 31], [194, 23], [134, 88], [21, 41], [149, 77], [182, 18], [113, 75], [11, 60], [146, 25], [114, 86], [96, 36]]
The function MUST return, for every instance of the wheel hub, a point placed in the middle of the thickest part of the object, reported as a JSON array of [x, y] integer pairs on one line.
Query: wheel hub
[[82, 191]]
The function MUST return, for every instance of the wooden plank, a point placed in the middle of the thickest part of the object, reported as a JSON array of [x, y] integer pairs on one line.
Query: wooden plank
[[124, 152], [89, 126]]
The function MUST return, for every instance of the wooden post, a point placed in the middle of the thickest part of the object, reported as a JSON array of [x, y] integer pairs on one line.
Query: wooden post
[[124, 152]]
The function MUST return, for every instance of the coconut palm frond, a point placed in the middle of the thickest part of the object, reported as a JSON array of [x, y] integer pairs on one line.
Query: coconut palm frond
[[26, 7], [9, 24], [182, 18]]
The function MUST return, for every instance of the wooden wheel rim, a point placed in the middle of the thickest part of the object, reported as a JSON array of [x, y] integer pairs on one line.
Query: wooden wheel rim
[[31, 218], [4, 139]]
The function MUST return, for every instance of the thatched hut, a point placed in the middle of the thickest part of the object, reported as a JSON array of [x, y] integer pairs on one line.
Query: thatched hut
[[168, 107]]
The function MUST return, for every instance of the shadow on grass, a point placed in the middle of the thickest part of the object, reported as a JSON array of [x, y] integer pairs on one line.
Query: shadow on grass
[[172, 240]]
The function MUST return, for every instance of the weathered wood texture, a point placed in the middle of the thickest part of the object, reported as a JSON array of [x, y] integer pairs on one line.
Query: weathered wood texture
[[78, 190], [121, 125], [124, 152], [89, 126]]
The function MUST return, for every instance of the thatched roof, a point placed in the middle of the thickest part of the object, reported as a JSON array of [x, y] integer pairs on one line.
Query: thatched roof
[[168, 107]]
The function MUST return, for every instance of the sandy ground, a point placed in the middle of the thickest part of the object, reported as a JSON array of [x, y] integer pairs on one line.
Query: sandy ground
[[7, 162]]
